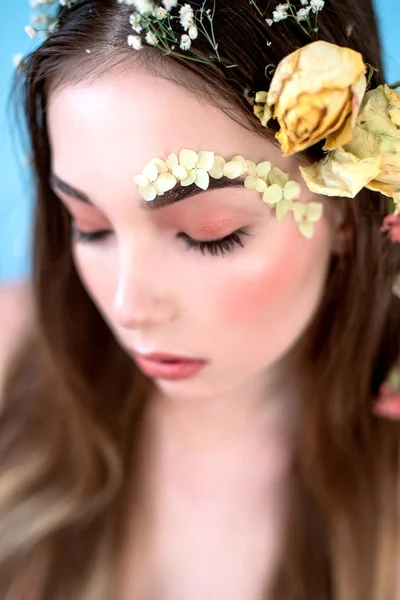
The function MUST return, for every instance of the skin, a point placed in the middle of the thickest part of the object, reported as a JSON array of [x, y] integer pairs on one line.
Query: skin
[[218, 444]]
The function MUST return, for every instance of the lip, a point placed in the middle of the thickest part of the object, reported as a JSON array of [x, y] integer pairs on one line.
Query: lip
[[168, 366]]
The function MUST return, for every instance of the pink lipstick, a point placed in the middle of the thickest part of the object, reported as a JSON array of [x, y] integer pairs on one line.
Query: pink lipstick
[[167, 366]]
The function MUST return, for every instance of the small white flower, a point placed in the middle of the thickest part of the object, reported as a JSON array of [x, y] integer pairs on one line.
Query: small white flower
[[151, 38], [280, 13], [304, 2], [186, 16], [160, 13], [17, 59], [269, 22], [31, 31], [303, 13], [317, 5], [135, 42], [168, 4], [144, 7], [193, 32], [186, 42], [135, 20]]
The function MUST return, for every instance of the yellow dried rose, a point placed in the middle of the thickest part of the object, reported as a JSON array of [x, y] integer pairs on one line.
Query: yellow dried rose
[[315, 94], [340, 174], [377, 134]]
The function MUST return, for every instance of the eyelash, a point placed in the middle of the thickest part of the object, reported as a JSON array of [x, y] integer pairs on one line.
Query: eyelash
[[213, 247]]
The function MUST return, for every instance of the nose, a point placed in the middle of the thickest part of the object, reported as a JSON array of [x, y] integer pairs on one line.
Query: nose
[[142, 296]]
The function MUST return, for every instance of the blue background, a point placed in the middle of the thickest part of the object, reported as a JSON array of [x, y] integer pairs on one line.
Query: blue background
[[15, 192]]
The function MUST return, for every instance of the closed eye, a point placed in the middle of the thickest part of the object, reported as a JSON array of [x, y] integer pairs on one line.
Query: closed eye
[[218, 247]]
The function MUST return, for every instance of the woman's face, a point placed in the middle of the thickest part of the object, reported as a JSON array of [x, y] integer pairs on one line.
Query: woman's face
[[239, 306]]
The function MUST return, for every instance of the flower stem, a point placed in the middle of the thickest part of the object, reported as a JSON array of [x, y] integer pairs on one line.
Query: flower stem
[[257, 9], [395, 85]]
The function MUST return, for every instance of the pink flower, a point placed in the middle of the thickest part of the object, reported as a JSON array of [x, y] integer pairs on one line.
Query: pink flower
[[391, 224], [388, 403]]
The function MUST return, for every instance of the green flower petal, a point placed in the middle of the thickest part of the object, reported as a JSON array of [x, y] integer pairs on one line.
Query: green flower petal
[[263, 169], [217, 171], [281, 209], [148, 193], [233, 169], [278, 176], [141, 180], [188, 159], [292, 191], [150, 171], [314, 211], [273, 194], [202, 179], [206, 160], [261, 97], [166, 182], [261, 186], [251, 167], [191, 178], [179, 172], [299, 211], [172, 161], [306, 229], [250, 182], [242, 160], [161, 165]]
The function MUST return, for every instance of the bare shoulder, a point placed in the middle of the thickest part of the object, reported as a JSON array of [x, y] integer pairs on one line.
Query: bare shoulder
[[15, 318]]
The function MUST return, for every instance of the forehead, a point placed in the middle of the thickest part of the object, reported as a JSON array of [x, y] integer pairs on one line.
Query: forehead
[[126, 118]]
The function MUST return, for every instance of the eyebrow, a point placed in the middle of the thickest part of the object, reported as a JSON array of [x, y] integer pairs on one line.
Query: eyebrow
[[177, 194]]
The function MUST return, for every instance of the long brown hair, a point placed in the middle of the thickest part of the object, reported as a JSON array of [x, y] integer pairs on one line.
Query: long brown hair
[[73, 403]]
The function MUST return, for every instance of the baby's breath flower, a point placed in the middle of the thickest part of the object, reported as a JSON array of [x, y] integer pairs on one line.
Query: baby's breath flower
[[151, 38], [304, 2], [168, 4], [280, 13], [303, 13], [193, 32], [17, 59], [269, 22], [186, 16], [31, 31], [160, 13], [186, 42], [135, 42], [38, 3], [135, 20], [144, 7], [317, 5]]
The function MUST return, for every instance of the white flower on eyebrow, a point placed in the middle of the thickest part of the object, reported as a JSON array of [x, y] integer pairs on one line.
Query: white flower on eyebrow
[[197, 167], [278, 191]]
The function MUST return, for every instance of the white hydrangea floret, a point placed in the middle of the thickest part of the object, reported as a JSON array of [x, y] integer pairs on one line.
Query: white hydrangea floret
[[197, 166], [257, 176], [306, 215], [150, 181]]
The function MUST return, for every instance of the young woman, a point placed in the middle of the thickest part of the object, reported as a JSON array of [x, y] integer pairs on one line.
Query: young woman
[[193, 416]]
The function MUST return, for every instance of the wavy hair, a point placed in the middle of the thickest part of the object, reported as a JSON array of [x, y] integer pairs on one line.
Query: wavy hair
[[73, 405]]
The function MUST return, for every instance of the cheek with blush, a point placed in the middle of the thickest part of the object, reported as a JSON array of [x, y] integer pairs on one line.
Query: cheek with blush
[[273, 285]]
